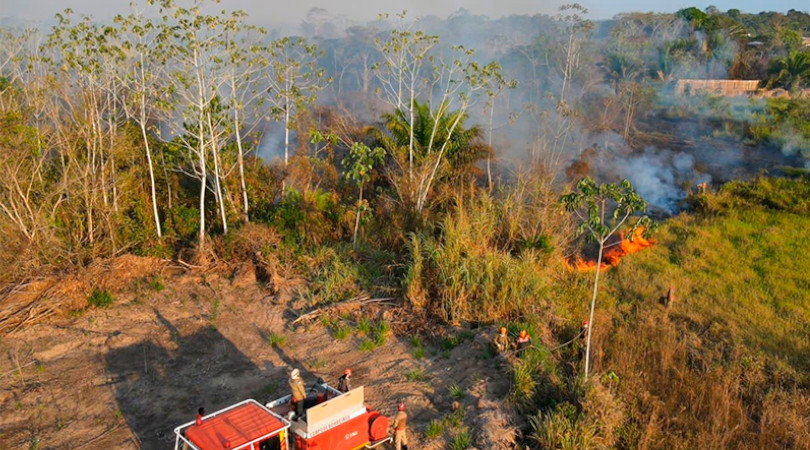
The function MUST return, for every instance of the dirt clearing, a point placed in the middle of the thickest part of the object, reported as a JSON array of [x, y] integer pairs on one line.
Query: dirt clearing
[[175, 338]]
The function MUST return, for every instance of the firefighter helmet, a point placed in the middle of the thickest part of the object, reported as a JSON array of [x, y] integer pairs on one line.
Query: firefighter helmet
[[523, 333], [503, 330], [347, 372], [295, 373], [401, 406]]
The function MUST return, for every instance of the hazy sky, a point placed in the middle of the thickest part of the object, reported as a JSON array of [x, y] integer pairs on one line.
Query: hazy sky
[[293, 11]]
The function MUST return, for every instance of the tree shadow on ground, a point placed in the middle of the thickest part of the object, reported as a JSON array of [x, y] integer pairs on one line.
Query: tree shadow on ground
[[159, 387]]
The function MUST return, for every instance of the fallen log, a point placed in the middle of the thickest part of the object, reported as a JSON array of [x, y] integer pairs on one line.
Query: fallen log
[[360, 300]]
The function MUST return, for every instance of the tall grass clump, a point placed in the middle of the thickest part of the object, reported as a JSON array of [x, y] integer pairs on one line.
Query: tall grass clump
[[561, 428], [479, 268], [334, 276]]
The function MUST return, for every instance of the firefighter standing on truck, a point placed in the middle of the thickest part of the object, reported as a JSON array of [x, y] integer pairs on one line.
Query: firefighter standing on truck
[[344, 383], [400, 428], [299, 392]]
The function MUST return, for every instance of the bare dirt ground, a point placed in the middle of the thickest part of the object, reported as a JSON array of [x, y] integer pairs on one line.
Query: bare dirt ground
[[178, 338]]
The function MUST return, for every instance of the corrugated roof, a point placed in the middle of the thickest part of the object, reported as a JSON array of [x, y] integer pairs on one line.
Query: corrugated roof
[[233, 428]]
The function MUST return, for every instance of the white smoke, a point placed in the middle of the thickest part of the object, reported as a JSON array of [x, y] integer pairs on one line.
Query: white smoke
[[662, 177]]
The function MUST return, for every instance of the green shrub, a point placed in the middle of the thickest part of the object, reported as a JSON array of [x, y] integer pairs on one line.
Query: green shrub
[[310, 218]]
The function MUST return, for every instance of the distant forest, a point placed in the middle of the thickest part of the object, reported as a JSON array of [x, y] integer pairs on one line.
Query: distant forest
[[161, 127]]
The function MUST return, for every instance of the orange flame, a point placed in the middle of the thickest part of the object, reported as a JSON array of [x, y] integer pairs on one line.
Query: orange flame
[[613, 254]]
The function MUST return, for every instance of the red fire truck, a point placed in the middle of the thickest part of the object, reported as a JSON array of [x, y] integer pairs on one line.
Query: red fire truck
[[332, 420]]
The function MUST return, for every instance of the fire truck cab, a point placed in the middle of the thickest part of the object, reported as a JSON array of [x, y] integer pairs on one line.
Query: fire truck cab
[[332, 420]]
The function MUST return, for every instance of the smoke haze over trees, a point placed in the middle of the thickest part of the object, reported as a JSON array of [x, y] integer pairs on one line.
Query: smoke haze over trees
[[423, 158], [208, 92]]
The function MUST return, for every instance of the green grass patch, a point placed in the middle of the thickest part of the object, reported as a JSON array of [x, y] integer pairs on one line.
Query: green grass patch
[[364, 326], [156, 283], [434, 429], [376, 333], [416, 375], [456, 392], [276, 339], [460, 441], [100, 298], [367, 345]]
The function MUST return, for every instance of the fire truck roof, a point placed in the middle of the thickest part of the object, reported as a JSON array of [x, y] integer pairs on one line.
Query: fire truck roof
[[234, 427]]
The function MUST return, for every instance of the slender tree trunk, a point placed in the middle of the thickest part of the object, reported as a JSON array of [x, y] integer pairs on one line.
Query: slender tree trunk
[[410, 135], [149, 151], [628, 117], [111, 124], [489, 160], [240, 156], [217, 177], [593, 306], [168, 181], [203, 180], [151, 178], [286, 137], [357, 218]]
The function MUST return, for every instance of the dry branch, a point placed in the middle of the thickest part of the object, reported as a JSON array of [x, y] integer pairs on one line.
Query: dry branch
[[31, 312], [360, 300]]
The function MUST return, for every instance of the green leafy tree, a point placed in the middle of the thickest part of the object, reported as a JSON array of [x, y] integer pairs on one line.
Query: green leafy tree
[[602, 210], [359, 164]]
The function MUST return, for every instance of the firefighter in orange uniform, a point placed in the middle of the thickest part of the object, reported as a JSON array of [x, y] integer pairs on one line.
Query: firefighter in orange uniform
[[400, 428], [299, 392], [502, 341], [523, 342]]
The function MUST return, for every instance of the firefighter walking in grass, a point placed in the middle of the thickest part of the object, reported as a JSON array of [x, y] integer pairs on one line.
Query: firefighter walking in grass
[[502, 341], [400, 428]]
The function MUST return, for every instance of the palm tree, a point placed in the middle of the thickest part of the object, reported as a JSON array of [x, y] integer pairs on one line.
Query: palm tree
[[791, 72], [465, 146], [445, 153]]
